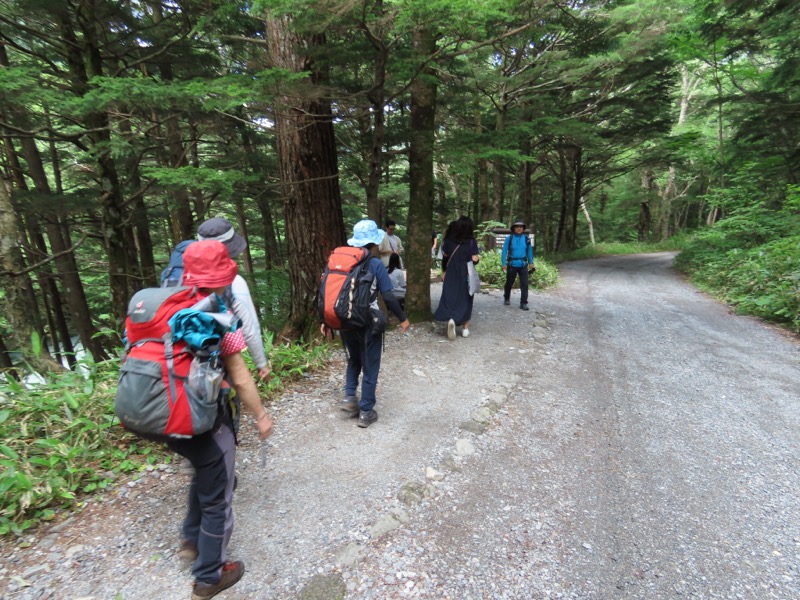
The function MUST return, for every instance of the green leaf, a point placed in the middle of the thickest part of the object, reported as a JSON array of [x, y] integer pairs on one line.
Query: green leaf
[[9, 452], [36, 343]]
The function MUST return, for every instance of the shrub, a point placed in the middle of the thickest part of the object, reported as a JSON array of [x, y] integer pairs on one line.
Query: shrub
[[762, 281], [60, 439]]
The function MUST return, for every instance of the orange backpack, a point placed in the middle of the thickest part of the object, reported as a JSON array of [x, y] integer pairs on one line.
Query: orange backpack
[[347, 289]]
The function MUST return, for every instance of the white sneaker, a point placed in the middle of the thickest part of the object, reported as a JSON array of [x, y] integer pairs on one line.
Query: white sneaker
[[451, 330], [465, 333]]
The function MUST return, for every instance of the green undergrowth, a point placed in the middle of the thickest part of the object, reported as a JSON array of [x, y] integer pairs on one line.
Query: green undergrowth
[[763, 281], [60, 441], [611, 248]]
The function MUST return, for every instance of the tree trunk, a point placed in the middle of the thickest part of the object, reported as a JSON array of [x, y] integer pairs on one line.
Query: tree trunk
[[484, 212], [18, 299], [139, 216], [377, 98], [645, 218], [57, 320], [420, 174], [571, 182], [526, 184], [499, 173], [272, 254], [5, 359], [84, 61], [241, 220], [309, 174], [588, 218], [174, 155], [66, 264]]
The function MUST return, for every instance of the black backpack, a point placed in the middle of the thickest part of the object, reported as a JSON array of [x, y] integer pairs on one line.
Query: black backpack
[[348, 291]]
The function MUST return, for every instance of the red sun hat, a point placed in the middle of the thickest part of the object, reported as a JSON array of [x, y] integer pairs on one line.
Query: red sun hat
[[207, 264]]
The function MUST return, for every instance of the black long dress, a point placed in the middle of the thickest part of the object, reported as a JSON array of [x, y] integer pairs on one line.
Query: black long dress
[[455, 302]]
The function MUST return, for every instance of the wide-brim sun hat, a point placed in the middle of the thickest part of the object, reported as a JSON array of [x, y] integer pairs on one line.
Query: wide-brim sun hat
[[207, 264], [221, 230], [366, 232], [518, 224]]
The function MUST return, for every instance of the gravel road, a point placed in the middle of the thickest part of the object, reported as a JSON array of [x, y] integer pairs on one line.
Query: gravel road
[[626, 438]]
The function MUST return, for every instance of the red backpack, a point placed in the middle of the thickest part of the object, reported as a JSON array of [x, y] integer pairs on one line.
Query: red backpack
[[347, 289], [163, 389]]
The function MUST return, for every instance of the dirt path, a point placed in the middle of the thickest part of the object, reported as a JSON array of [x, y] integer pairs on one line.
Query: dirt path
[[626, 438]]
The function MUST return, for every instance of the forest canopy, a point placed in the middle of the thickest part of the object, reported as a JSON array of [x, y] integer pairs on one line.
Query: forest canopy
[[127, 123]]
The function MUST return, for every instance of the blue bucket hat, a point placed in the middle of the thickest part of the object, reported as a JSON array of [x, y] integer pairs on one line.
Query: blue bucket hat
[[366, 232]]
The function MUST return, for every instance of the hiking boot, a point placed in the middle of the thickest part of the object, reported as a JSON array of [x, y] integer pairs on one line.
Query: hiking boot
[[524, 307], [367, 418], [451, 330], [186, 467], [506, 302], [231, 574], [349, 405], [187, 552]]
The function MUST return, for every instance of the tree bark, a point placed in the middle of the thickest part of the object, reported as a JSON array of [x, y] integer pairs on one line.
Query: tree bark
[[571, 183], [645, 217], [139, 216], [84, 61], [18, 299], [241, 220], [174, 155], [526, 184], [309, 173], [377, 99], [420, 174], [65, 261], [499, 169]]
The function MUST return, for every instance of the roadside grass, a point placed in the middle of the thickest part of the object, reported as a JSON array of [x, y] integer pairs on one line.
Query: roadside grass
[[612, 248], [762, 281], [60, 441]]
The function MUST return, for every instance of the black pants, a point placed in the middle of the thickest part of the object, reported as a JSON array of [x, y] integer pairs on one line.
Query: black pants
[[511, 275], [209, 518]]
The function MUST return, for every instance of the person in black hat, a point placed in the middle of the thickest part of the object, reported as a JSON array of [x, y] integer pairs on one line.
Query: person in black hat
[[517, 259], [221, 230]]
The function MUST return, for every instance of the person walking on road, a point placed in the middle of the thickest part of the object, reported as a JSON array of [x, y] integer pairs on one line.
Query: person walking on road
[[517, 259], [364, 346], [208, 525], [455, 303]]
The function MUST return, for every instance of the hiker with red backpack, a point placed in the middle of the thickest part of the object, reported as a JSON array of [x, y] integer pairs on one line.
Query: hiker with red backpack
[[182, 341], [348, 303]]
